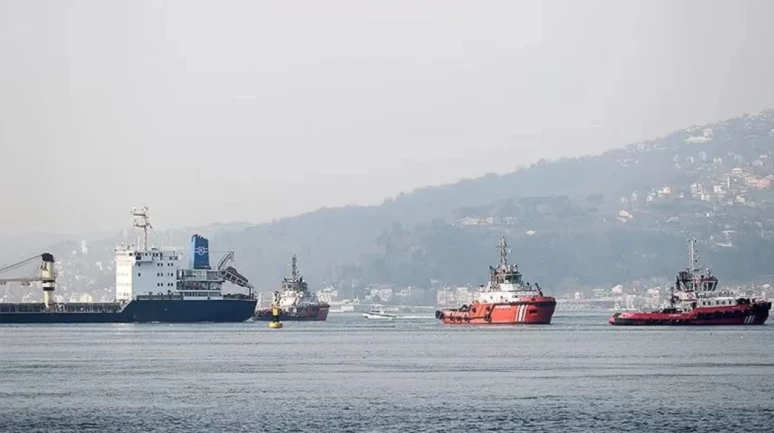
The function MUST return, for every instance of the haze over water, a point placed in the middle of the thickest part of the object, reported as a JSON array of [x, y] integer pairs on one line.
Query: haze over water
[[249, 111], [413, 375]]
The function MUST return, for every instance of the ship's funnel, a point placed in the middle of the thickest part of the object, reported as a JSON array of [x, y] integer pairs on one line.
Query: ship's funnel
[[200, 253]]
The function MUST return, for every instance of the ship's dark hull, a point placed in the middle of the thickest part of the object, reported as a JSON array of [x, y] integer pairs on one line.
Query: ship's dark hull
[[142, 311], [314, 313]]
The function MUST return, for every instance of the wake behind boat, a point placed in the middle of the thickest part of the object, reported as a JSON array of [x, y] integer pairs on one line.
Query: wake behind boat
[[695, 300], [378, 314]]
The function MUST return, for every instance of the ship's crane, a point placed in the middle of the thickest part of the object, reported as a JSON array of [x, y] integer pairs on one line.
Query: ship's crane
[[229, 257], [46, 275], [230, 274]]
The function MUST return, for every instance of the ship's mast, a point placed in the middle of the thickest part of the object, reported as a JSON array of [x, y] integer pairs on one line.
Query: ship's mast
[[142, 220], [693, 257], [294, 269], [503, 246], [672, 296]]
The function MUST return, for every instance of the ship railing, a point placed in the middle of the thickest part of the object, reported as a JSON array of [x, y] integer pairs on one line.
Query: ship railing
[[89, 307], [237, 296], [74, 307], [25, 307], [516, 290], [160, 297]]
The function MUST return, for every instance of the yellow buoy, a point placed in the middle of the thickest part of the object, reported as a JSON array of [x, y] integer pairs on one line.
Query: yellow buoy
[[275, 315]]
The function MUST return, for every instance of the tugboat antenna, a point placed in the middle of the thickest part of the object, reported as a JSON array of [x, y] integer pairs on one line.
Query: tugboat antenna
[[294, 268], [692, 257], [503, 252]]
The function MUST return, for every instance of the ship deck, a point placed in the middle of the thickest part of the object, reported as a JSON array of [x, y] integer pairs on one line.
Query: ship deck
[[75, 307]]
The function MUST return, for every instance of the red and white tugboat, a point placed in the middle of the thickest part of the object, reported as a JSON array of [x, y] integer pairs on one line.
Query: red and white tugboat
[[696, 300], [506, 300]]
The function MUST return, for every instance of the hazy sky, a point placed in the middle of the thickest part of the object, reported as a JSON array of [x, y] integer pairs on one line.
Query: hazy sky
[[250, 110]]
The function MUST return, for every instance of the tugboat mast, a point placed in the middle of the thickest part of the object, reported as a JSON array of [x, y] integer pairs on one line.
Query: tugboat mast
[[294, 269], [503, 246], [693, 258]]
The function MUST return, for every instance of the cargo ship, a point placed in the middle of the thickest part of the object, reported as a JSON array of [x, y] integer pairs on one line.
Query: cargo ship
[[505, 300], [295, 301], [151, 286], [696, 300]]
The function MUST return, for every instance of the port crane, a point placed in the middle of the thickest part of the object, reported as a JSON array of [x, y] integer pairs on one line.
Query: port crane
[[46, 275]]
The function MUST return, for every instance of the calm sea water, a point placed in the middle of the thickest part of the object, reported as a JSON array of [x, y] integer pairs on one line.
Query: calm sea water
[[412, 375]]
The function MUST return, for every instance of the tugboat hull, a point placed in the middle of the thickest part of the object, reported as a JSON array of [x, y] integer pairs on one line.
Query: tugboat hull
[[535, 311], [752, 314]]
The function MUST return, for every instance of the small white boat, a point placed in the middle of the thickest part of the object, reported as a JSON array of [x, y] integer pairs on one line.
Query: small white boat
[[378, 314]]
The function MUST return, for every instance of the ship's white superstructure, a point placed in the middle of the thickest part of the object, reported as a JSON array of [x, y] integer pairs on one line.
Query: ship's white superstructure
[[145, 273], [294, 293], [156, 272], [694, 289], [506, 283]]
